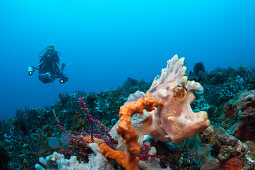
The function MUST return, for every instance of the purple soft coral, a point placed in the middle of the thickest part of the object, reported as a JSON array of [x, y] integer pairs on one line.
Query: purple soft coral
[[100, 127]]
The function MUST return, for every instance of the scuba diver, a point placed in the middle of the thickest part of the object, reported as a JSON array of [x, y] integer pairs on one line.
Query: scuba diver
[[49, 67]]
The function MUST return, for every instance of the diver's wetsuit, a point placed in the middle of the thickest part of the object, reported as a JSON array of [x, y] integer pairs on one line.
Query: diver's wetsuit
[[49, 64]]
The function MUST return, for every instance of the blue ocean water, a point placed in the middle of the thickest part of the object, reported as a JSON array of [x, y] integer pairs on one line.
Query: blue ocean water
[[107, 41]]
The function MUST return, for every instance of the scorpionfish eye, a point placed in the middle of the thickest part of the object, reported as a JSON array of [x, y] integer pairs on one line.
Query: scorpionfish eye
[[179, 93]]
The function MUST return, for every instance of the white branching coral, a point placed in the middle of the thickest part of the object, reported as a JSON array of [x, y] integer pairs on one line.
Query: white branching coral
[[57, 161]]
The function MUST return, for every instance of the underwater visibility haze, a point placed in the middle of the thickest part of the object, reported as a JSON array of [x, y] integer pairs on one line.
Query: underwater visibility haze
[[200, 112]]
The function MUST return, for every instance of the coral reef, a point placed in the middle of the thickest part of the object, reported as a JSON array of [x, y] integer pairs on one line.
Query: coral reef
[[199, 67], [228, 152], [58, 161], [242, 110], [4, 158], [246, 105], [151, 160], [166, 138]]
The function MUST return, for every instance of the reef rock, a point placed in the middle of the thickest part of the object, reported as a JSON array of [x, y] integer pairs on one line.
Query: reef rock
[[239, 116], [228, 152]]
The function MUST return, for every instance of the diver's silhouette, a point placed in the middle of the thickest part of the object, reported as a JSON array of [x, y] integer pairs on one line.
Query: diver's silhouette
[[49, 67]]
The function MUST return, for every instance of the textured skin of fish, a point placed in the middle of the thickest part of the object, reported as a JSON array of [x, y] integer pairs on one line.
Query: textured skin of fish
[[174, 121]]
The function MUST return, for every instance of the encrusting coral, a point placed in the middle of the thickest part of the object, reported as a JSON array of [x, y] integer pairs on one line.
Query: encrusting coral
[[227, 152], [242, 110], [233, 164]]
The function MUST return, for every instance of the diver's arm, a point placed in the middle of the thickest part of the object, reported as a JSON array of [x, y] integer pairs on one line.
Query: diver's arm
[[37, 67]]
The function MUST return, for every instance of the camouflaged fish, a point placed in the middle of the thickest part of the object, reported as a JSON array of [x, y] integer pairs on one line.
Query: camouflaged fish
[[174, 121]]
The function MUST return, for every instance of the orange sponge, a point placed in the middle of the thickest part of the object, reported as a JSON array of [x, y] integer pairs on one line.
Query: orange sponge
[[87, 139], [113, 154], [127, 130], [106, 150], [233, 164]]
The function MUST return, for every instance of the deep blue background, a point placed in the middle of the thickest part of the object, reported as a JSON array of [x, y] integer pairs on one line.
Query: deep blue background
[[107, 41]]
